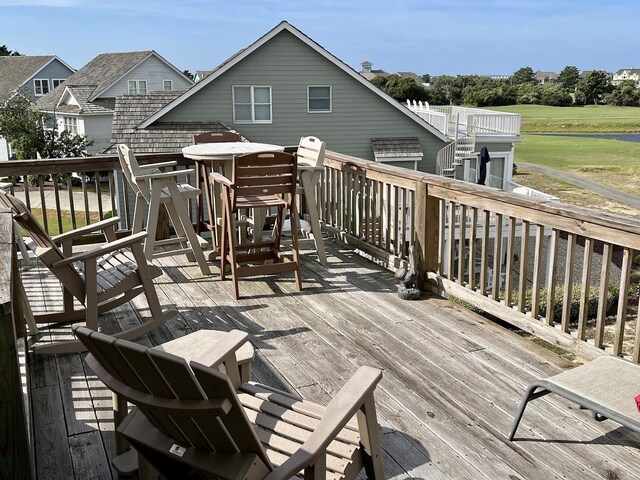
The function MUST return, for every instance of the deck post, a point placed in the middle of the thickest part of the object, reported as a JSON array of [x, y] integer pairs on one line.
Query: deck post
[[426, 231], [14, 443]]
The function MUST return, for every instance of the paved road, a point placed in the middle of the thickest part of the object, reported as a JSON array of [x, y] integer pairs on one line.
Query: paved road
[[572, 178]]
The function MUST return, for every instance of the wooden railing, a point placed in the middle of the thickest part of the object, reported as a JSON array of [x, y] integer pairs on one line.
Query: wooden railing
[[559, 271], [96, 193], [15, 460], [507, 254]]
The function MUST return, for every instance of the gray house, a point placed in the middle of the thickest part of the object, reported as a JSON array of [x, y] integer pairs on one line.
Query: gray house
[[84, 103], [285, 86], [32, 76]]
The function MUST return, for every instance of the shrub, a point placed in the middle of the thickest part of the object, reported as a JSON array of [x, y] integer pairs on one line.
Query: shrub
[[574, 311], [34, 179]]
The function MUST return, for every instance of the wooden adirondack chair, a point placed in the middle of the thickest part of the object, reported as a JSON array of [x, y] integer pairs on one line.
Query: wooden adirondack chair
[[110, 275], [193, 420], [155, 189]]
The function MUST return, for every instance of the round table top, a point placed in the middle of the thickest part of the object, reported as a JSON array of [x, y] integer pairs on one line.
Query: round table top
[[225, 150]]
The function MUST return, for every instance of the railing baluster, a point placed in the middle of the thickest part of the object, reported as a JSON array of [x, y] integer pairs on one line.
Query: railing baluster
[[551, 278], [442, 231], [452, 240], [43, 204], [72, 210], [524, 266], [508, 274], [56, 196], [387, 217], [603, 296], [586, 286], [537, 272], [486, 218], [396, 223], [85, 197], [567, 297], [497, 258], [625, 273], [462, 249], [99, 195], [472, 248]]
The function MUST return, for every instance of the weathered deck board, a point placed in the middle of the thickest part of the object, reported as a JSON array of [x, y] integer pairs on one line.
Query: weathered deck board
[[452, 380]]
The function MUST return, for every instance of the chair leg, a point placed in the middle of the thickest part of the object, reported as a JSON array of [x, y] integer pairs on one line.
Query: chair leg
[[312, 207], [199, 198], [370, 437], [138, 213], [152, 222], [146, 279], [530, 394], [294, 245]]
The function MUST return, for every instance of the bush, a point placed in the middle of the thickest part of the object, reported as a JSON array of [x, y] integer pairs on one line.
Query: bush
[[34, 179], [574, 311]]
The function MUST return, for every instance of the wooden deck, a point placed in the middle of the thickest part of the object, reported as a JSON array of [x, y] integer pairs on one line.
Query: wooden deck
[[452, 380]]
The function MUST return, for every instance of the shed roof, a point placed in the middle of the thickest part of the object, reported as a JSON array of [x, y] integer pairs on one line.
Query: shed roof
[[396, 147]]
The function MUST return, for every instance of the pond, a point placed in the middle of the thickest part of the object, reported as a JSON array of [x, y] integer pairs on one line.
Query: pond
[[623, 137]]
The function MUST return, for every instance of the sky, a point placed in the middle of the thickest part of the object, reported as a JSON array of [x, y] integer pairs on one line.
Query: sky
[[439, 37]]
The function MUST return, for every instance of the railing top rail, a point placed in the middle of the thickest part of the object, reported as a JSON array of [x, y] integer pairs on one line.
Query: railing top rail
[[570, 218]]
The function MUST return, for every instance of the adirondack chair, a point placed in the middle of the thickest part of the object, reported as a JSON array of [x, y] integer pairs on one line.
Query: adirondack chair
[[193, 420], [110, 275], [202, 173], [155, 189], [259, 181]]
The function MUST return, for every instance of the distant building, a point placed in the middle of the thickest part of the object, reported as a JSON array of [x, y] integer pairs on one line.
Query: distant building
[[33, 77], [626, 74], [544, 78], [369, 73]]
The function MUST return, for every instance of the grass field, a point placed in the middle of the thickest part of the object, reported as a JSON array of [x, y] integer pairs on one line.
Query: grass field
[[588, 119]]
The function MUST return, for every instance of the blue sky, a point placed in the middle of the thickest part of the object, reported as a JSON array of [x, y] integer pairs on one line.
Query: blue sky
[[429, 36]]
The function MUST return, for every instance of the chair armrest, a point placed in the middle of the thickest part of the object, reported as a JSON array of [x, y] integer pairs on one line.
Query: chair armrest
[[94, 227], [303, 167], [158, 165], [339, 411], [171, 174], [104, 249], [201, 348], [218, 177]]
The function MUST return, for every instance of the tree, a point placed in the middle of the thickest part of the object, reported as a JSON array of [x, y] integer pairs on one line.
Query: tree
[[24, 128], [593, 86], [569, 77], [624, 95], [188, 74], [5, 52], [523, 75], [554, 95], [404, 88], [426, 78]]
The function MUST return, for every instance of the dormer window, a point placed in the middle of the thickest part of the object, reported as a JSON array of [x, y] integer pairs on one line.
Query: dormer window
[[137, 87], [40, 86], [167, 85]]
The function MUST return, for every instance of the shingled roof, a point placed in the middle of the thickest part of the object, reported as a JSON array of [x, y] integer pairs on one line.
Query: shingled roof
[[131, 110], [15, 71], [100, 73], [396, 147]]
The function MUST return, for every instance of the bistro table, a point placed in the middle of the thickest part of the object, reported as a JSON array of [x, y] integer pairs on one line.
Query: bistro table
[[221, 154]]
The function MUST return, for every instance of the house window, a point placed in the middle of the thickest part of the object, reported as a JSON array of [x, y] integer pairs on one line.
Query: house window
[[71, 125], [319, 99], [137, 87], [40, 86], [251, 104], [57, 81], [167, 85]]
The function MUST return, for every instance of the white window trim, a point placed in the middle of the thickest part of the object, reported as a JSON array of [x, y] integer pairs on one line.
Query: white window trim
[[330, 99], [170, 85], [35, 89], [59, 80], [74, 126], [137, 82], [253, 104]]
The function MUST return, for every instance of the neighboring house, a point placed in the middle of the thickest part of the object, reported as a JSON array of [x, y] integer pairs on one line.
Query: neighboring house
[[369, 73], [285, 86], [200, 74], [544, 78], [627, 74], [32, 76], [84, 103]]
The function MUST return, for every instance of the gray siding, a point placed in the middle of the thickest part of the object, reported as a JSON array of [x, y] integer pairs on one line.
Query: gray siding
[[154, 71], [54, 71], [289, 66], [98, 129]]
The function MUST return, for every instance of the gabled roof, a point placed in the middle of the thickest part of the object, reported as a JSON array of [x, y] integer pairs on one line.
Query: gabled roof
[[629, 71], [130, 110], [285, 26], [15, 71], [101, 73], [80, 103]]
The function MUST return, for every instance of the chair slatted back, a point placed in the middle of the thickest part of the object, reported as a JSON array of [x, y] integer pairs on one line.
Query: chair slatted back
[[47, 250], [264, 174], [151, 378], [214, 137], [132, 171], [311, 152]]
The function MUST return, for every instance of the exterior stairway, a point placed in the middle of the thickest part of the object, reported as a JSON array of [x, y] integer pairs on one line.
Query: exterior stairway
[[454, 154]]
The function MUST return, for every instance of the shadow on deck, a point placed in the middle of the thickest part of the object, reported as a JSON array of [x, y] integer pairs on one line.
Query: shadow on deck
[[452, 380]]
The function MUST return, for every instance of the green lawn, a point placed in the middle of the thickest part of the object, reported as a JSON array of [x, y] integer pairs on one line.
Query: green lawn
[[588, 119]]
